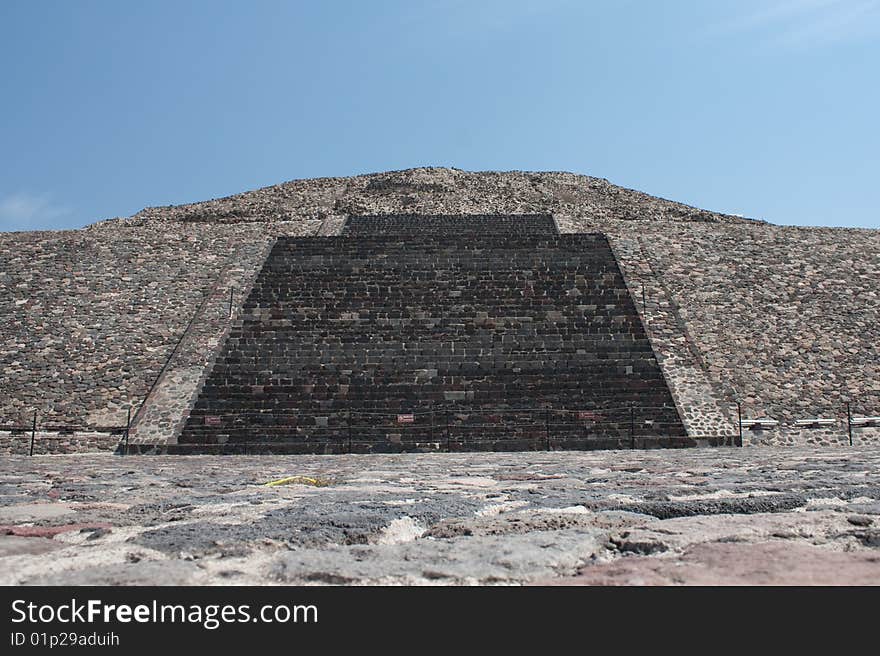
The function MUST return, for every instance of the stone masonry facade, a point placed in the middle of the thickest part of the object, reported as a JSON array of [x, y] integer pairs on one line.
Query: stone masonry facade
[[785, 320], [497, 326], [48, 443], [160, 418]]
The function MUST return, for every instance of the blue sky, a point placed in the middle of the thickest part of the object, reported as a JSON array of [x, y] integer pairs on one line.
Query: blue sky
[[766, 108]]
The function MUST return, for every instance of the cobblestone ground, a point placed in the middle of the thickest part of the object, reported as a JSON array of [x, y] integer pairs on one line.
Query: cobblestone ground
[[697, 516]]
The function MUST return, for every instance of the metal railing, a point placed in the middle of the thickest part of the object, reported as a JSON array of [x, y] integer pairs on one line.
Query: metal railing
[[831, 417], [458, 428], [33, 427]]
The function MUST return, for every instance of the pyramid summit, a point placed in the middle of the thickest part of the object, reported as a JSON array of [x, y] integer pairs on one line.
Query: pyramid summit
[[436, 190]]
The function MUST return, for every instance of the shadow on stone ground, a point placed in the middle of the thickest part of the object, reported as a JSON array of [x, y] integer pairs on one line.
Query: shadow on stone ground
[[699, 516]]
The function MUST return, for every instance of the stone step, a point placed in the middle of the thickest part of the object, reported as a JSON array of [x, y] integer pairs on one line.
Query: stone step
[[397, 320]]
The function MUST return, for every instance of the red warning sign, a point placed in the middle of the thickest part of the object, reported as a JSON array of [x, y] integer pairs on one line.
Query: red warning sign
[[212, 421], [405, 419]]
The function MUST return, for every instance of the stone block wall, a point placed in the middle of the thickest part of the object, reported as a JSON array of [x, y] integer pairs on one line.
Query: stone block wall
[[420, 226], [783, 318], [91, 316], [161, 417], [700, 402], [482, 328], [48, 443]]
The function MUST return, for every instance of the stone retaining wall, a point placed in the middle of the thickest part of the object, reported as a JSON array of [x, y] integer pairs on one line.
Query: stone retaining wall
[[836, 435], [168, 404], [92, 315], [701, 405], [784, 319], [463, 325], [50, 443]]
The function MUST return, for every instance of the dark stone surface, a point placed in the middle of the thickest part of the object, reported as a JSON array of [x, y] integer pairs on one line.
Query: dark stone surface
[[667, 510], [448, 225], [493, 333]]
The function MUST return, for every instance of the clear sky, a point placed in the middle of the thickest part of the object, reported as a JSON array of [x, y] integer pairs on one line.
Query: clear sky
[[766, 108]]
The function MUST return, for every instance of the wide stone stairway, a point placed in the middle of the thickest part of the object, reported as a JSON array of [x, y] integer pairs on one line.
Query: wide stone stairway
[[436, 333]]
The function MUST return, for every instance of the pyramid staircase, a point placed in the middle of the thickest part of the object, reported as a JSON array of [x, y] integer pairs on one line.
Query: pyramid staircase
[[436, 333]]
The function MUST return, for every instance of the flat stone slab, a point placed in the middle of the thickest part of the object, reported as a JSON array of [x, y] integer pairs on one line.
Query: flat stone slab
[[176, 572], [484, 559], [697, 516], [28, 531], [724, 563], [15, 545], [29, 512]]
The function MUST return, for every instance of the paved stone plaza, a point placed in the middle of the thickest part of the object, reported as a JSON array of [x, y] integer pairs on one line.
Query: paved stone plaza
[[766, 515]]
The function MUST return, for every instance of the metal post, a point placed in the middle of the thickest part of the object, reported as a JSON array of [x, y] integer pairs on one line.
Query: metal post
[[547, 426], [431, 434], [849, 422], [739, 418], [33, 432], [632, 425], [447, 432], [127, 428], [349, 432], [644, 302], [231, 292]]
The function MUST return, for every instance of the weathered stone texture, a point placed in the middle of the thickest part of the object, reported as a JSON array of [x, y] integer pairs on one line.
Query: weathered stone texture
[[19, 443], [172, 397], [801, 514], [92, 315], [435, 191], [783, 318], [496, 329], [700, 402], [787, 318]]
